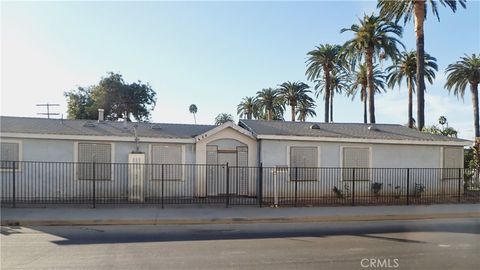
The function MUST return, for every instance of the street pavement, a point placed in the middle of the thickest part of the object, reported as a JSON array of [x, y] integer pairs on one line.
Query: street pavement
[[418, 244]]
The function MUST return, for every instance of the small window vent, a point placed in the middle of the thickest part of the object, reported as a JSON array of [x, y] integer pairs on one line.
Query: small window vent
[[89, 124], [373, 128], [156, 127], [314, 126]]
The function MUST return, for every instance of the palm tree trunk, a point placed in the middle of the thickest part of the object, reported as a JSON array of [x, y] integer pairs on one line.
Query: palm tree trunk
[[419, 17], [371, 87], [365, 114], [327, 93], [331, 106], [474, 89], [293, 112], [194, 118], [269, 114], [249, 115], [410, 102]]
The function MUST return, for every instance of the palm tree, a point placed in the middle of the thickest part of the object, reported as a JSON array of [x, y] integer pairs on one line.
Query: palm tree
[[293, 93], [396, 9], [223, 118], [373, 38], [405, 68], [359, 84], [320, 61], [339, 81], [306, 109], [463, 72], [269, 103], [193, 110], [247, 107]]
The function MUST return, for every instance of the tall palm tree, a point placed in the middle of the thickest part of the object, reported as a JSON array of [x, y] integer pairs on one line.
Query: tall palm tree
[[247, 108], [306, 109], [339, 81], [463, 72], [322, 61], [405, 68], [193, 110], [374, 37], [359, 84], [223, 118], [269, 103], [292, 93], [397, 9]]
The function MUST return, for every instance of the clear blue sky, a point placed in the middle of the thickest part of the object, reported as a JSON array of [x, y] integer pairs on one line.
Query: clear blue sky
[[211, 53]]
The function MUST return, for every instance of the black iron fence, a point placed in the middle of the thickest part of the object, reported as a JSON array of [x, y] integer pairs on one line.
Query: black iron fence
[[42, 183]]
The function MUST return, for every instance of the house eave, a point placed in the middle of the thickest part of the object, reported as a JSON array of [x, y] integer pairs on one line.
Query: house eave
[[94, 138], [361, 140]]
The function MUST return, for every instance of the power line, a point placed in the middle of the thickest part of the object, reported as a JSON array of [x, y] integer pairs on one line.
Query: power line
[[48, 105]]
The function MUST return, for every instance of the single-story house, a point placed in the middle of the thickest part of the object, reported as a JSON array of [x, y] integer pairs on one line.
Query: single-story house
[[194, 156]]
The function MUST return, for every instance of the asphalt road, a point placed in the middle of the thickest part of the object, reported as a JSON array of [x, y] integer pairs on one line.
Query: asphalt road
[[427, 244]]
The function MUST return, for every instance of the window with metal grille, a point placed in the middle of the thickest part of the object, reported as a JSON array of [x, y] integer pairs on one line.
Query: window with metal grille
[[452, 162], [356, 164], [94, 161], [303, 163], [9, 152], [168, 157]]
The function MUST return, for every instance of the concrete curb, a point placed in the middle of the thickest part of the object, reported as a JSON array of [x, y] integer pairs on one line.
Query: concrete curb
[[236, 220]]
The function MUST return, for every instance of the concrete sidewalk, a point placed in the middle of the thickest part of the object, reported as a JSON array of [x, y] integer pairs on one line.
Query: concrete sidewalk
[[154, 216]]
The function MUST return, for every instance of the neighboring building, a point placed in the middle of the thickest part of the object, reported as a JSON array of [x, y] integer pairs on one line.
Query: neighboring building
[[277, 144]]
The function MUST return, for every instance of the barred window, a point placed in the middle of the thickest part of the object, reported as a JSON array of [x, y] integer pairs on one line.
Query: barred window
[[9, 152], [356, 164], [303, 163], [452, 161], [171, 158], [94, 157]]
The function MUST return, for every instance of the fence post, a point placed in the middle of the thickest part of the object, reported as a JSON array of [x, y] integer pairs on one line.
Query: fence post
[[459, 183], [260, 186], [14, 197], [227, 201], [408, 186], [353, 187], [296, 185], [163, 184], [93, 184]]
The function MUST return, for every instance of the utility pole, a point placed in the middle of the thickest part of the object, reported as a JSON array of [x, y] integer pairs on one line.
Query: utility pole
[[48, 105]]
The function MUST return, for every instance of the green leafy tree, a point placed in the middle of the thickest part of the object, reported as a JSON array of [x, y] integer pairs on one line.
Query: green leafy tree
[[248, 107], [223, 118], [406, 9], [359, 85], [293, 93], [117, 98], [270, 105], [320, 63], [444, 129], [193, 110], [339, 82], [306, 108], [373, 38], [405, 69], [462, 73]]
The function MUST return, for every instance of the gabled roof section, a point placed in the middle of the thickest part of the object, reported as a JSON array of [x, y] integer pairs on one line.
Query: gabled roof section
[[223, 127], [27, 125], [384, 133]]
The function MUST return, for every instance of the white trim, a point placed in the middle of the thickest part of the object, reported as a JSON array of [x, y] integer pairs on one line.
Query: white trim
[[222, 127], [360, 140], [96, 138], [20, 153], [112, 158]]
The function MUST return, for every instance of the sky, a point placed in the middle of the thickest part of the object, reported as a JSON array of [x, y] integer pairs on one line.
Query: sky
[[211, 54]]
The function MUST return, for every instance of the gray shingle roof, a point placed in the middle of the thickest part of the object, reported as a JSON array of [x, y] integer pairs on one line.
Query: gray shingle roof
[[94, 128], [341, 130]]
